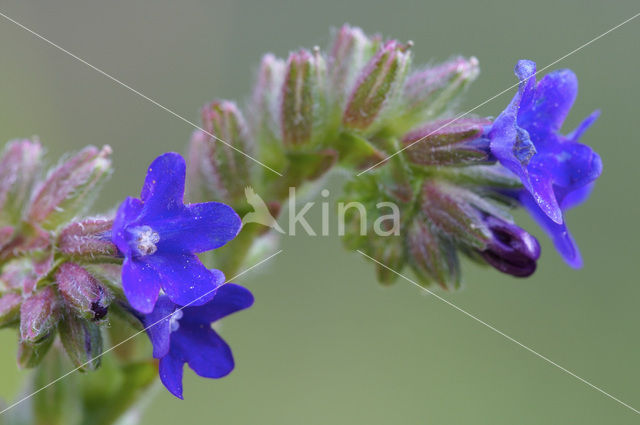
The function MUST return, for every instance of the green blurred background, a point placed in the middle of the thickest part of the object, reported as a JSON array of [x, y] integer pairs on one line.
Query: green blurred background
[[324, 343]]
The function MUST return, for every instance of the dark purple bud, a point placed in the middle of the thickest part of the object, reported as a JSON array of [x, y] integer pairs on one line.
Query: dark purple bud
[[223, 171], [439, 143], [20, 166], [511, 249], [303, 97], [266, 96], [377, 85], [39, 315], [82, 341], [430, 91], [83, 292], [10, 308], [90, 237], [432, 257], [351, 49]]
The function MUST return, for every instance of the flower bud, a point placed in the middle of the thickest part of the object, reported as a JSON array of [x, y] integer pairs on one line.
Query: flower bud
[[9, 308], [430, 91], [432, 257], [453, 211], [31, 354], [83, 292], [351, 49], [39, 315], [20, 166], [266, 94], [70, 188], [439, 143], [6, 233], [82, 341], [377, 86], [87, 238], [511, 249], [303, 97], [224, 171]]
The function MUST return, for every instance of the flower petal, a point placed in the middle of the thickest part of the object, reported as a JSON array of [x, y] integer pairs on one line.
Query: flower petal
[[171, 370], [158, 326], [559, 233], [141, 284], [229, 298], [184, 279], [163, 188], [127, 213], [197, 228], [202, 348], [550, 105]]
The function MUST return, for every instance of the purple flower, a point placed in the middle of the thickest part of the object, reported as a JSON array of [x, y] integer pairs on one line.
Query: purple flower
[[159, 237], [525, 139], [184, 335]]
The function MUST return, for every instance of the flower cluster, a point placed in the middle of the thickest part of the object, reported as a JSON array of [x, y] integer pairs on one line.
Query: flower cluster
[[358, 107]]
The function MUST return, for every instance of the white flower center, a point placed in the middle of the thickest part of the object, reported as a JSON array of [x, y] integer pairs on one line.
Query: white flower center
[[145, 240], [174, 320]]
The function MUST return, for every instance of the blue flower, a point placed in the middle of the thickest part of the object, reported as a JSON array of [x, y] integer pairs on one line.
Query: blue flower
[[184, 335], [159, 237], [556, 171], [525, 139]]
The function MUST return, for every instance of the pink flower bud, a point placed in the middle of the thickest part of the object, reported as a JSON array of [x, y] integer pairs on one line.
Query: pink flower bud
[[377, 86], [39, 315], [9, 308], [303, 97], [432, 257], [87, 238], [20, 166], [223, 171], [82, 292], [351, 49], [70, 187], [430, 91], [440, 143], [266, 93]]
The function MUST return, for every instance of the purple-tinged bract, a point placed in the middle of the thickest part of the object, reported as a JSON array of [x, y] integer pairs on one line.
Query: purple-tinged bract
[[184, 335], [159, 237]]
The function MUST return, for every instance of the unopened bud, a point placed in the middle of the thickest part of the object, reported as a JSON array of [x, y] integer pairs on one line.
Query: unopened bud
[[377, 86], [83, 292], [9, 308], [511, 249], [453, 211], [432, 257], [431, 91], [265, 99], [20, 166], [70, 188], [351, 49], [39, 315], [448, 143], [82, 341], [6, 233], [31, 354], [224, 171], [87, 238], [303, 97]]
